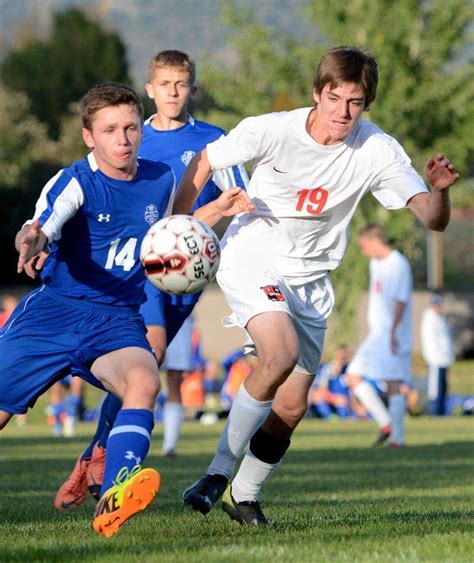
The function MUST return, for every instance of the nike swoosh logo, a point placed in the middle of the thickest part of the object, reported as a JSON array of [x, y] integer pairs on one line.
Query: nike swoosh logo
[[67, 505], [279, 171]]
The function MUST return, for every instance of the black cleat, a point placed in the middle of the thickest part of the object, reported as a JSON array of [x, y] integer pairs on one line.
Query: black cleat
[[383, 436], [248, 513], [203, 494]]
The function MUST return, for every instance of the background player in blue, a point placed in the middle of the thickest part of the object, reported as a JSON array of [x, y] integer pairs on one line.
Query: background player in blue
[[172, 136], [85, 317]]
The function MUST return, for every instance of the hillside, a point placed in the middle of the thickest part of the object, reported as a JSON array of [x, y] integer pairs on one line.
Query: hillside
[[150, 26]]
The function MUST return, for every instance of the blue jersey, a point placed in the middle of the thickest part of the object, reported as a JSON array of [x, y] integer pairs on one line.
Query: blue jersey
[[176, 148], [95, 225]]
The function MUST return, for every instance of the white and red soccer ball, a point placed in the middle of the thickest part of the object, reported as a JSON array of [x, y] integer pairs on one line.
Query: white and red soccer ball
[[180, 254]]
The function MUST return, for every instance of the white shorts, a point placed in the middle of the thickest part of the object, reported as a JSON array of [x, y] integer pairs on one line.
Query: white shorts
[[252, 293], [374, 359], [179, 353]]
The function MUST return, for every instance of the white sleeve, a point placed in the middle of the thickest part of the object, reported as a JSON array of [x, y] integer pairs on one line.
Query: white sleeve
[[60, 199], [404, 284], [426, 336], [398, 181], [242, 144], [231, 177]]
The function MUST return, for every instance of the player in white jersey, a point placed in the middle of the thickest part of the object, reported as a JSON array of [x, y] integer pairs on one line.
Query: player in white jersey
[[311, 168], [385, 354], [437, 349]]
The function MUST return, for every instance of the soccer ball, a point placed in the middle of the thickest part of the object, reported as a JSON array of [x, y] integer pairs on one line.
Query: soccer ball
[[180, 254]]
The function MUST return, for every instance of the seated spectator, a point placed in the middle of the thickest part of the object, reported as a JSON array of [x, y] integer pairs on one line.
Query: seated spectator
[[329, 395]]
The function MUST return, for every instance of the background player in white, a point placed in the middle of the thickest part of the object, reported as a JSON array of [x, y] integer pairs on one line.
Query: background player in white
[[311, 167], [385, 354], [171, 136], [437, 348]]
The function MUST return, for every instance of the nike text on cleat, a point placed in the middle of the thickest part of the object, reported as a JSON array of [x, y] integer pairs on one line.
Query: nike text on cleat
[[248, 513], [73, 491], [131, 493], [383, 436], [95, 471], [203, 494]]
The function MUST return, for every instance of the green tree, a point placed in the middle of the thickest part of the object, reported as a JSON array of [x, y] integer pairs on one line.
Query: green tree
[[425, 97], [27, 161], [57, 72]]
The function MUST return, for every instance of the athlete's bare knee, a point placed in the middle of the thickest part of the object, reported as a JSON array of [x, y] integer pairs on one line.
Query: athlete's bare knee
[[278, 363]]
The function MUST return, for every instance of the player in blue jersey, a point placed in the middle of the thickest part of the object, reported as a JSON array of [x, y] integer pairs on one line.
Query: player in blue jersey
[[85, 317], [172, 136]]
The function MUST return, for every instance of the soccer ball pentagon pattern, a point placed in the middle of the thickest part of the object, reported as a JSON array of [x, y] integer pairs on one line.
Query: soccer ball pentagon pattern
[[180, 254]]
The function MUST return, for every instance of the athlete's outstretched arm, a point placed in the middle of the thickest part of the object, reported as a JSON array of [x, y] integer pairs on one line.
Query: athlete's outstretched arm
[[29, 242], [195, 177], [228, 204], [434, 209]]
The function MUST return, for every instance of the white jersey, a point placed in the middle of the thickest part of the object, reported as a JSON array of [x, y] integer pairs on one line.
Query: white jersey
[[305, 193], [436, 339], [391, 281]]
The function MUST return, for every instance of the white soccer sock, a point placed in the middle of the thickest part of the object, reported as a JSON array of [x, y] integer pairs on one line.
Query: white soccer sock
[[172, 418], [250, 477], [245, 418], [396, 404], [369, 398]]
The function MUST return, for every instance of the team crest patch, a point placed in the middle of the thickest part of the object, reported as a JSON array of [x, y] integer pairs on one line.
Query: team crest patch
[[151, 214], [187, 156], [273, 293]]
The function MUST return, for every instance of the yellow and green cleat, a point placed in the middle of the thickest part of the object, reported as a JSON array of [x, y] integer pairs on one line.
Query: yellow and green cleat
[[131, 492]]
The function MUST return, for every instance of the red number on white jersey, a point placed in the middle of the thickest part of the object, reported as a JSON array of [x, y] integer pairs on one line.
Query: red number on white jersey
[[312, 200]]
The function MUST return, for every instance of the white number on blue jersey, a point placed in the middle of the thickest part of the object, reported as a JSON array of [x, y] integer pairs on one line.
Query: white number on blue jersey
[[125, 257]]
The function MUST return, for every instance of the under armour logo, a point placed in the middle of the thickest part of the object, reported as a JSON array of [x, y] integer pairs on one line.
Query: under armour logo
[[103, 217], [131, 455], [234, 433]]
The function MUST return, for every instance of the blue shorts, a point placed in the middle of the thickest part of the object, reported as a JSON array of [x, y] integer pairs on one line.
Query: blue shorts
[[49, 336], [179, 353], [157, 310]]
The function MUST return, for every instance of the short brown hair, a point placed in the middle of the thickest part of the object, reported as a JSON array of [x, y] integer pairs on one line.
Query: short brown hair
[[176, 59], [373, 231], [348, 64], [105, 95]]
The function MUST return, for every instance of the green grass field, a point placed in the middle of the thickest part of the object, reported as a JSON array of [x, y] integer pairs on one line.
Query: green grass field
[[333, 499]]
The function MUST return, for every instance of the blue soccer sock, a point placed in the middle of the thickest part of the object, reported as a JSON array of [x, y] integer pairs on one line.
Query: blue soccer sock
[[56, 411], [343, 412], [323, 410], [72, 405], [128, 443], [108, 413]]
